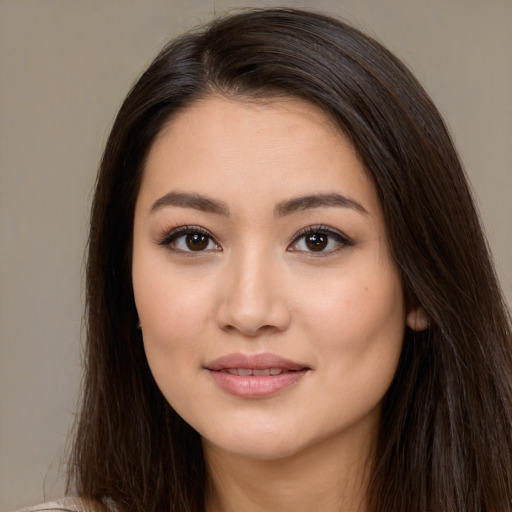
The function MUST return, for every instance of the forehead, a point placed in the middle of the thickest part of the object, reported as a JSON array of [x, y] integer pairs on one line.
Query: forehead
[[246, 149], [217, 119]]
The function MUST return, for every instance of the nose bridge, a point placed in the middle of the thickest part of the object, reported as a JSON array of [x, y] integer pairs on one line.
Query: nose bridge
[[252, 303]]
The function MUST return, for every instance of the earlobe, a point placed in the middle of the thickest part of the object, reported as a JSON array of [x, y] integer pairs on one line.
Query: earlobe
[[417, 319]]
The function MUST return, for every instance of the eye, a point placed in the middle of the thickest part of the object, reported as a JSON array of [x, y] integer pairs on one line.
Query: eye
[[318, 239], [190, 239]]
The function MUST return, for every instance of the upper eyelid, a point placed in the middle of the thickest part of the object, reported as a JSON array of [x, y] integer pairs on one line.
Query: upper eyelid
[[320, 229], [342, 240], [168, 235]]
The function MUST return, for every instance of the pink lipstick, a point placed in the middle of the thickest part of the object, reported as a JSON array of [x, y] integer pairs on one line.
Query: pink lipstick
[[255, 376]]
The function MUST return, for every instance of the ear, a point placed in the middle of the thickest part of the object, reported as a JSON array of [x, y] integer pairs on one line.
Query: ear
[[417, 319]]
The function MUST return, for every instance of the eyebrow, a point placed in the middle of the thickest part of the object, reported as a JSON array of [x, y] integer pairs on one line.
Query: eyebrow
[[288, 207], [195, 201], [317, 201]]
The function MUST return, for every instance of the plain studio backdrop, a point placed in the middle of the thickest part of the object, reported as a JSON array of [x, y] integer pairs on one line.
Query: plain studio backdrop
[[65, 66]]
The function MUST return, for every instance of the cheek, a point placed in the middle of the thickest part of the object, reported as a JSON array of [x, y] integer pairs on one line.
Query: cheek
[[171, 325], [359, 317], [172, 311], [170, 302], [359, 329]]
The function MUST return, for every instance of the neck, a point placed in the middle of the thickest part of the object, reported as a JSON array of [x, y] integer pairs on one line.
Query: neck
[[321, 477]]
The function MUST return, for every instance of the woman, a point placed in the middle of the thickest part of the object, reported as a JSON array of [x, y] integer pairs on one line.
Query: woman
[[290, 301]]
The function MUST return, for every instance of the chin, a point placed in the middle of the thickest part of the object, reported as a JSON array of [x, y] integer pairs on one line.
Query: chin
[[269, 442], [258, 442], [262, 450], [266, 440]]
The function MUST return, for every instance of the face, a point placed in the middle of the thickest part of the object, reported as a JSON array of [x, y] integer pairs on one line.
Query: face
[[272, 314]]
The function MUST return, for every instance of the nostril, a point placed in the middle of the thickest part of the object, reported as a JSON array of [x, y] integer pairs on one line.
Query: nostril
[[252, 306]]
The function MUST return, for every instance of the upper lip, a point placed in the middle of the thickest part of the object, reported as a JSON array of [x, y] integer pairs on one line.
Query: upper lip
[[254, 361]]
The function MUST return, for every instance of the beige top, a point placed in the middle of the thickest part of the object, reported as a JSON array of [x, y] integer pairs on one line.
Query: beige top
[[63, 505]]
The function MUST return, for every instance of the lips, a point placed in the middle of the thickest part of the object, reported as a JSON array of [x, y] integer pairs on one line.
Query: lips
[[253, 371], [255, 376], [254, 362]]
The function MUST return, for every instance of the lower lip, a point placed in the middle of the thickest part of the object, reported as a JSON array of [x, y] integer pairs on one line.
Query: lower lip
[[255, 386]]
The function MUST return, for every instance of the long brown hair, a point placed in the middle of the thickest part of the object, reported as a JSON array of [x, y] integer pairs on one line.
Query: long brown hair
[[446, 436]]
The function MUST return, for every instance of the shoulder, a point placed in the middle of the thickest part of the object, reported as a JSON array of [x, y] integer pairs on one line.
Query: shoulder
[[63, 505]]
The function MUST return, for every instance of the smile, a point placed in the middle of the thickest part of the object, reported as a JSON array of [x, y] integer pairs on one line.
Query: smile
[[255, 376], [244, 372]]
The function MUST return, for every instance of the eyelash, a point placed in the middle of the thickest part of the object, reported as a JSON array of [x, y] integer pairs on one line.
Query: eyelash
[[341, 239], [169, 238]]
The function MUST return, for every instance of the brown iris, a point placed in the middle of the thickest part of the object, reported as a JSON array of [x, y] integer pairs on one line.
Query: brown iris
[[197, 241], [316, 241]]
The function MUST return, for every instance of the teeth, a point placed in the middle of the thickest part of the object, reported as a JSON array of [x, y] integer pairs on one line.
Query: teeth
[[244, 372], [266, 371]]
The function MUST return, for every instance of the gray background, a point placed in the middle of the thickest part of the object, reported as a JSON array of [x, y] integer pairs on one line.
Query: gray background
[[65, 66]]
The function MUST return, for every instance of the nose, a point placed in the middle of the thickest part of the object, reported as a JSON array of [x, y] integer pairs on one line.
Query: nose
[[253, 299]]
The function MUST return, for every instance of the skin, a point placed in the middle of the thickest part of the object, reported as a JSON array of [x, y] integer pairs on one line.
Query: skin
[[256, 287]]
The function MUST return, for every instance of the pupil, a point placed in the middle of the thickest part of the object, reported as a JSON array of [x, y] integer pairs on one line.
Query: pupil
[[197, 241], [316, 241]]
